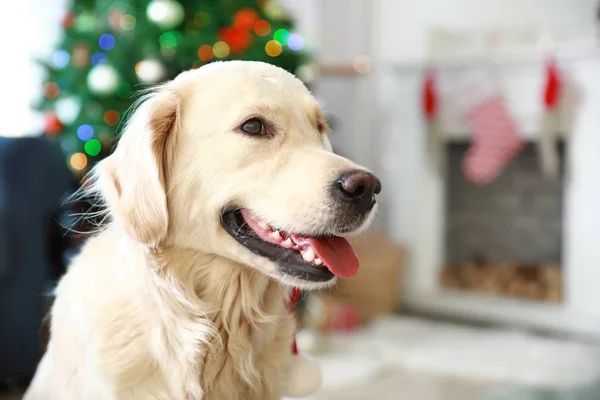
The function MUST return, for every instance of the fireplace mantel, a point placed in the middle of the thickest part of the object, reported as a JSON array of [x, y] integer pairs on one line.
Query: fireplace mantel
[[414, 197]]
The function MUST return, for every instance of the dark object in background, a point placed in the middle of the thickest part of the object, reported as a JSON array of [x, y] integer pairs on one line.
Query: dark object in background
[[33, 182]]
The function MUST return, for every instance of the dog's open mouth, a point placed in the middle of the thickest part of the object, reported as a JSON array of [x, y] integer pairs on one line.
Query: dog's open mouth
[[315, 259]]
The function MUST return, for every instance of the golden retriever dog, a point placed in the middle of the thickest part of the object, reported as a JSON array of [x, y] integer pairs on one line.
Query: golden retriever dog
[[223, 193]]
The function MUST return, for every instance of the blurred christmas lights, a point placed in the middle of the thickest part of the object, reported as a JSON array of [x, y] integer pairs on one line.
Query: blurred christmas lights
[[205, 53], [274, 10], [238, 40], [103, 79], [169, 39], [112, 117], [85, 22], [295, 42], [273, 48], [80, 55], [67, 20], [98, 58], [93, 147], [60, 58], [221, 49], [114, 18], [127, 22], [78, 161], [245, 18], [167, 14], [262, 27], [282, 36], [150, 71], [52, 125], [85, 132], [51, 90], [106, 41], [68, 109]]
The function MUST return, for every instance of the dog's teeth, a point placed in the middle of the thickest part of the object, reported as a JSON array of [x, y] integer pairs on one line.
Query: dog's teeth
[[309, 255], [287, 243], [318, 261], [296, 247], [276, 235]]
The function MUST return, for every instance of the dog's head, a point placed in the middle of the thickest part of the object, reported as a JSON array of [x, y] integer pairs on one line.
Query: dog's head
[[233, 159]]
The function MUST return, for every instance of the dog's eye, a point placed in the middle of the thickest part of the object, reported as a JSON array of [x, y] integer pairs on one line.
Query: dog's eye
[[253, 126]]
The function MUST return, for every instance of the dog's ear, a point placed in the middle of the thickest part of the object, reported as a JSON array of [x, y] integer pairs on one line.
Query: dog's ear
[[133, 178]]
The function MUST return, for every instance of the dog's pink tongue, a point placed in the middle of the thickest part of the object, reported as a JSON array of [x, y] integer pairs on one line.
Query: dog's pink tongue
[[336, 252]]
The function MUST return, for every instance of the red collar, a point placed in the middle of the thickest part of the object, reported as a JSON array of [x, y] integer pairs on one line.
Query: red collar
[[295, 295]]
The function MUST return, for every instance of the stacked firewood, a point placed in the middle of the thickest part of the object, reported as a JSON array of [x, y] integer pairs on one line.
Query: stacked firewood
[[539, 282]]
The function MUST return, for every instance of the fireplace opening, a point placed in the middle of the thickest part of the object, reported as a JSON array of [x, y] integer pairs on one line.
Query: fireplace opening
[[505, 238]]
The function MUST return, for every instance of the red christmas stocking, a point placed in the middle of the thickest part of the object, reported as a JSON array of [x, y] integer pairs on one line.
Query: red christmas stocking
[[495, 137]]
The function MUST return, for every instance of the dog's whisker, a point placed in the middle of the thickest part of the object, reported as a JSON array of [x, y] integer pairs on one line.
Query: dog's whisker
[[241, 227]]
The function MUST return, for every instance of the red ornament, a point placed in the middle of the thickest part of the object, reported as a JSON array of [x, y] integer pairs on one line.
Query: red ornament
[[429, 97], [262, 27], [553, 86], [67, 20], [237, 39], [245, 18], [52, 124]]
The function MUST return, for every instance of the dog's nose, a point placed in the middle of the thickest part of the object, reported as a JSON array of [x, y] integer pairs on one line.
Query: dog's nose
[[358, 185]]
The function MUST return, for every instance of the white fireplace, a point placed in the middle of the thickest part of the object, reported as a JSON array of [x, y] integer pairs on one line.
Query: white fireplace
[[413, 207]]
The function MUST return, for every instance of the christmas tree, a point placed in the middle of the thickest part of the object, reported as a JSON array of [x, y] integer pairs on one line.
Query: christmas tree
[[113, 49]]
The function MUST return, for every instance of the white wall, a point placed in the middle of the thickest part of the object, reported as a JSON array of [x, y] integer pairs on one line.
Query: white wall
[[404, 24], [582, 252], [29, 29], [346, 32], [14, 67]]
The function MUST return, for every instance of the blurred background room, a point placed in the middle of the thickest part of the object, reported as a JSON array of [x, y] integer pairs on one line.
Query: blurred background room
[[480, 279]]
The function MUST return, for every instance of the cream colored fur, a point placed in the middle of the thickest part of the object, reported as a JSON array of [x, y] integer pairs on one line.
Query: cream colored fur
[[163, 303]]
